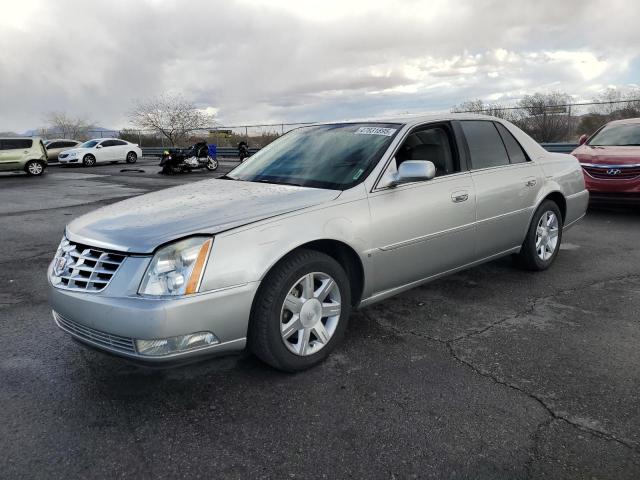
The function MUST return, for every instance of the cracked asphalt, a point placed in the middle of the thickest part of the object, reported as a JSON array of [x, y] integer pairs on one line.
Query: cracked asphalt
[[490, 373]]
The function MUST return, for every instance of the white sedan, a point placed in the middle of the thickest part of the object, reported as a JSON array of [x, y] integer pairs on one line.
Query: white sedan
[[100, 150]]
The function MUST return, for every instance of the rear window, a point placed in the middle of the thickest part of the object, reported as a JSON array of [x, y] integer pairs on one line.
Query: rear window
[[16, 143]]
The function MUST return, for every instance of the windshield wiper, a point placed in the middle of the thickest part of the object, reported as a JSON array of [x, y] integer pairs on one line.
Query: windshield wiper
[[262, 180]]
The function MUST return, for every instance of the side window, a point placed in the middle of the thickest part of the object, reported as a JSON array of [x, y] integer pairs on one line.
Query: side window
[[2, 146], [485, 145], [55, 145], [119, 142], [516, 154], [68, 144], [108, 143], [433, 143], [16, 143]]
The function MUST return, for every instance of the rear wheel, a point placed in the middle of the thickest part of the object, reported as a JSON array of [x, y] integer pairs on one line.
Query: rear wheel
[[542, 243], [301, 311], [34, 168], [132, 157], [89, 160]]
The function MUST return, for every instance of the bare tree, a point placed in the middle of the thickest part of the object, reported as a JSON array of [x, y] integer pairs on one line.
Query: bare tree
[[171, 116], [62, 125], [546, 116], [493, 109], [615, 104]]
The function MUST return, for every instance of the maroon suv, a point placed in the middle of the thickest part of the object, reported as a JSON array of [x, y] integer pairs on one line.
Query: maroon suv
[[610, 161]]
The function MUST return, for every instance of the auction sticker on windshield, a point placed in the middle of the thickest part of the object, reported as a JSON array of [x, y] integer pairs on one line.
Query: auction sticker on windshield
[[375, 131]]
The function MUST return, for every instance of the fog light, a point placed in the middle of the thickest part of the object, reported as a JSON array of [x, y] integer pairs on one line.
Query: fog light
[[181, 343]]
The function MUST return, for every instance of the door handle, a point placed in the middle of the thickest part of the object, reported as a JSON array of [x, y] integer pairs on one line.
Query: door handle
[[458, 197], [531, 183]]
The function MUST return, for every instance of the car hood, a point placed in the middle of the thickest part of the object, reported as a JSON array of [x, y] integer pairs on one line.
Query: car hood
[[608, 155], [140, 224], [74, 150]]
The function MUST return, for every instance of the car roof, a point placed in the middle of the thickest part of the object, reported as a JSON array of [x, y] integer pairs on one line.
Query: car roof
[[21, 138], [417, 119], [105, 138]]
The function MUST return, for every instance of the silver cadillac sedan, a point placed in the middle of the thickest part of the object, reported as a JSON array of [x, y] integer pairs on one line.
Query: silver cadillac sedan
[[330, 217]]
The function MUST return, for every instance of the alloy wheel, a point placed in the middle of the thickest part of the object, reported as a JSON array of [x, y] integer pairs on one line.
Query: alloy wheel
[[35, 168], [547, 235], [310, 313]]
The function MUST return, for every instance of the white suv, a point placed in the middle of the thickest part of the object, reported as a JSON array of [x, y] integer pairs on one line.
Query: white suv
[[101, 150], [26, 154]]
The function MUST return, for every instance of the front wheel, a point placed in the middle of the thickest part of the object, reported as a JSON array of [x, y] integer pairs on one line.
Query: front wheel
[[212, 164], [301, 311], [89, 161], [542, 243], [131, 157], [34, 168]]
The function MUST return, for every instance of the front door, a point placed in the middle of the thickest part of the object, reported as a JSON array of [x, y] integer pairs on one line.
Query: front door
[[425, 228]]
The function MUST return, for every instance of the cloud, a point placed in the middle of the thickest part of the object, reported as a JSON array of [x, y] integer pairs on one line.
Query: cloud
[[285, 60]]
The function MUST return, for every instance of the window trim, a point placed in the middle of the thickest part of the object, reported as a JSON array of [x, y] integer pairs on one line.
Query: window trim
[[454, 143], [526, 155]]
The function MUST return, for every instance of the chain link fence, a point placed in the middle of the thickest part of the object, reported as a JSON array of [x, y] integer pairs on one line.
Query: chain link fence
[[562, 122]]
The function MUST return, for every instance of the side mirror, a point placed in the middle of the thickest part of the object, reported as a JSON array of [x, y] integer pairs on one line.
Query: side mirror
[[413, 171], [98, 146], [583, 139]]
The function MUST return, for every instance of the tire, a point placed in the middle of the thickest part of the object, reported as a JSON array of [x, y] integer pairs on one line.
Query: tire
[[212, 164], [131, 157], [546, 221], [34, 168], [285, 348], [89, 161]]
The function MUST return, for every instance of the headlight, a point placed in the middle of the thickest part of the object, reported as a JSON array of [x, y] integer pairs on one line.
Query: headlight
[[177, 268]]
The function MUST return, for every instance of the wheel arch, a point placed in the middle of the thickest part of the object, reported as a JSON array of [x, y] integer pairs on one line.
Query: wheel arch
[[558, 198], [341, 252]]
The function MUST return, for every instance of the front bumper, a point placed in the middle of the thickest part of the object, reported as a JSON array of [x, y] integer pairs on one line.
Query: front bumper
[[113, 324]]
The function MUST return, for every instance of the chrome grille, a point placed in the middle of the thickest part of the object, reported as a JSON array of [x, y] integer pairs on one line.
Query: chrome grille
[[80, 267], [108, 340], [612, 172]]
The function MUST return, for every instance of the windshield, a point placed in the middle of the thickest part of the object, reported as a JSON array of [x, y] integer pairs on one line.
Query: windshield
[[89, 144], [619, 135], [336, 156]]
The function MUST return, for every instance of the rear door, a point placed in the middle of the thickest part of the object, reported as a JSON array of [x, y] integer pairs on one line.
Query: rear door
[[14, 151], [506, 183]]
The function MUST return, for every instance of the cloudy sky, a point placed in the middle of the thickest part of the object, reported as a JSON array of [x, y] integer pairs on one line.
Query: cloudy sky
[[294, 60]]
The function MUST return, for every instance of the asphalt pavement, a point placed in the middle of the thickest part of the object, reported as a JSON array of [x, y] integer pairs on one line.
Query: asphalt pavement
[[490, 373]]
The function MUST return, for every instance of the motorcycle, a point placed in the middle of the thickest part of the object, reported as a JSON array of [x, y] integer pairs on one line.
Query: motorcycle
[[184, 160]]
